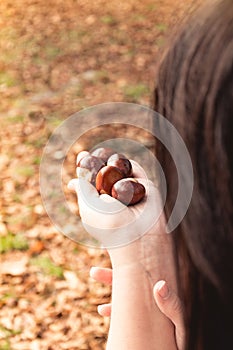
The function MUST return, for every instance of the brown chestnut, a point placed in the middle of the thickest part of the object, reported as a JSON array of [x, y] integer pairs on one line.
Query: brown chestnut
[[129, 191], [121, 162], [106, 178], [103, 152], [89, 166]]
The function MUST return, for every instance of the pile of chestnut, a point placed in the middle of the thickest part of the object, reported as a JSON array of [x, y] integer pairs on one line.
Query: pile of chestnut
[[111, 173]]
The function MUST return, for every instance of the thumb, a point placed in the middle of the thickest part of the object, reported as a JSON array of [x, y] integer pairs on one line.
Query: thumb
[[170, 305]]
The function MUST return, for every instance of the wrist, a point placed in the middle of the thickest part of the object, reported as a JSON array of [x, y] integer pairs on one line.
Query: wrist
[[153, 253]]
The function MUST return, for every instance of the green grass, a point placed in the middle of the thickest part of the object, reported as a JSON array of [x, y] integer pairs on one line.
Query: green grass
[[37, 143], [54, 121], [152, 7], [5, 345], [32, 48], [8, 332], [135, 92], [72, 36], [6, 296], [138, 17], [52, 52], [12, 242], [26, 171], [9, 35], [36, 160], [7, 80], [15, 119], [108, 19], [75, 250], [47, 266], [162, 27], [16, 197]]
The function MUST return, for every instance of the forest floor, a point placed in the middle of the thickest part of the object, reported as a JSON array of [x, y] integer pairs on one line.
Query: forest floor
[[56, 58]]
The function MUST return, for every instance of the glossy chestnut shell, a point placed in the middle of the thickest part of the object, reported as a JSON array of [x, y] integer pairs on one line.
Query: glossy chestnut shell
[[128, 191], [106, 178], [121, 162]]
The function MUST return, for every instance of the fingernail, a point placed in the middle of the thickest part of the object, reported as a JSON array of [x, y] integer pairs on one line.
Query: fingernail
[[100, 309], [70, 185], [162, 289], [73, 184], [93, 269]]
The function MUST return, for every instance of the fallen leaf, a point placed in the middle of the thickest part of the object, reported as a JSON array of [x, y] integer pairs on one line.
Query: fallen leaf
[[14, 267]]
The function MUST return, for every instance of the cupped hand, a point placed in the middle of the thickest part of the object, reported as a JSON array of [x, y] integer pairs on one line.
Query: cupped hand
[[110, 221]]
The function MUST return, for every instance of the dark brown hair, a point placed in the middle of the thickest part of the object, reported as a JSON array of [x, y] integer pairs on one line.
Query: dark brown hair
[[194, 91]]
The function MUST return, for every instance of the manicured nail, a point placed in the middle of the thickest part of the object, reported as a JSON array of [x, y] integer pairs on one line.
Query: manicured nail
[[93, 269], [100, 309], [71, 185], [162, 289], [104, 310]]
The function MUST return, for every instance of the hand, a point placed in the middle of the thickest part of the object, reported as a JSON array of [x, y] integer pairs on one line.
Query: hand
[[141, 253], [171, 306], [167, 301], [103, 275], [116, 225], [111, 222]]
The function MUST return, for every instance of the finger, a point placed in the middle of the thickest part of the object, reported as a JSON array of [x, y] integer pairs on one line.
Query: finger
[[171, 306], [81, 155], [107, 198], [71, 185], [101, 274], [83, 188], [100, 218], [88, 198], [104, 309], [168, 302], [111, 205], [138, 171]]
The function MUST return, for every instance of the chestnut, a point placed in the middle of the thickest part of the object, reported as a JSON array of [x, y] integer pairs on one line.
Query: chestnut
[[103, 152], [129, 191], [88, 167], [121, 162], [106, 178]]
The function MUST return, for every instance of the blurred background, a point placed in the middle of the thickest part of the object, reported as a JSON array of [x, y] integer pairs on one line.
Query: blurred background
[[57, 58]]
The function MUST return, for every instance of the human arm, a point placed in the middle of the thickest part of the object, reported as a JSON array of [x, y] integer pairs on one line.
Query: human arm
[[136, 321], [166, 299]]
